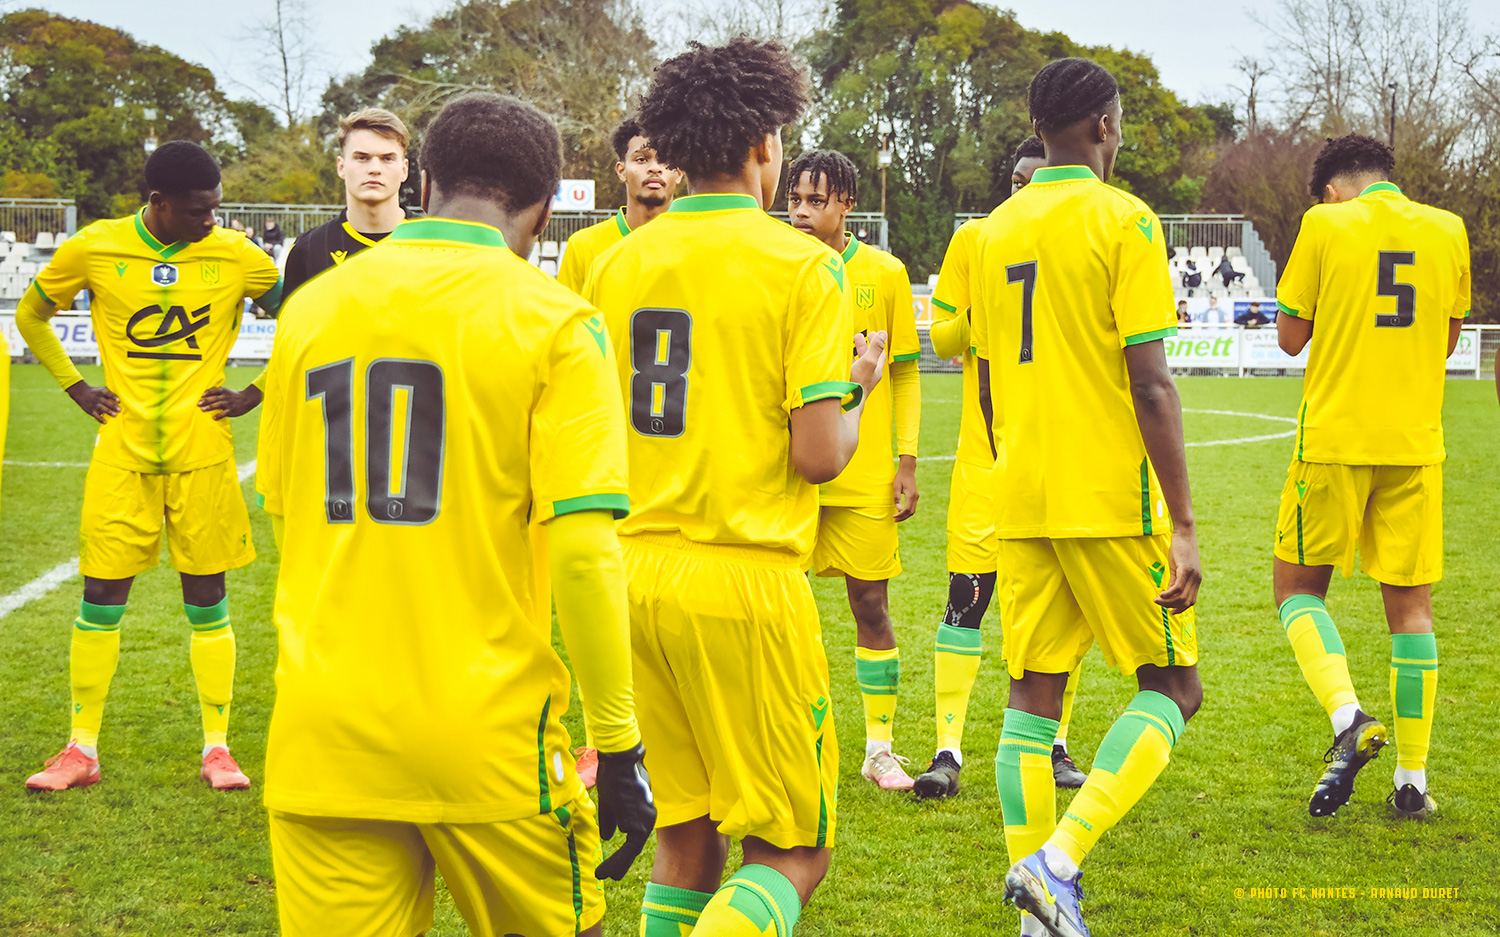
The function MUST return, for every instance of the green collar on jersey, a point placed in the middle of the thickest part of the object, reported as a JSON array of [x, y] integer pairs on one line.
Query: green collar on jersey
[[848, 252], [448, 229], [165, 250], [1381, 187], [620, 223], [713, 202], [1062, 174]]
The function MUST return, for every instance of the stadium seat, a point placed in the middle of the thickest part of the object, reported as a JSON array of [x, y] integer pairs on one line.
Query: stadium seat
[[932, 281], [8, 236], [60, 237], [549, 267], [534, 258], [44, 239], [549, 250]]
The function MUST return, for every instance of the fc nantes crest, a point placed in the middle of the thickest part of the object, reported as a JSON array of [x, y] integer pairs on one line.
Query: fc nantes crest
[[210, 271], [864, 296]]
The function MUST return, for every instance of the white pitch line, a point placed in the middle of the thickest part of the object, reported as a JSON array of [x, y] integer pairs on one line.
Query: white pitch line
[[47, 464], [67, 569], [1207, 442]]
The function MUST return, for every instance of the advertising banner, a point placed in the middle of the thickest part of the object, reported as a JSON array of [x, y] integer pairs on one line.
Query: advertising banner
[[76, 331], [574, 195]]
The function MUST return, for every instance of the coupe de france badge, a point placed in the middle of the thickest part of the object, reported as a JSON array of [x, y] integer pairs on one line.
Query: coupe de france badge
[[164, 275]]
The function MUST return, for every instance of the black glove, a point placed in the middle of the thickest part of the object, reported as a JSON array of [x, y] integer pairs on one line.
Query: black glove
[[625, 802]]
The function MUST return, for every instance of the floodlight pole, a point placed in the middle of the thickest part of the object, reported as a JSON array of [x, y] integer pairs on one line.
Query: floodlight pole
[[1391, 138]]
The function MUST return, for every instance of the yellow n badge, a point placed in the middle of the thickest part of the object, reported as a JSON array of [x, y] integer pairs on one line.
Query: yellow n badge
[[864, 296], [210, 271]]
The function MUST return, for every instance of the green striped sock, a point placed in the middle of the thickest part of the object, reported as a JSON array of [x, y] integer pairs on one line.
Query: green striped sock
[[671, 912]]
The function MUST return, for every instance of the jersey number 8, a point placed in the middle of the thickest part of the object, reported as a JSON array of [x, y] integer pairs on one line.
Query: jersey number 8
[[404, 439], [661, 348]]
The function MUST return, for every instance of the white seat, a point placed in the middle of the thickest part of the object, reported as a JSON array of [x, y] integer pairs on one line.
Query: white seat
[[26, 269], [4, 248], [1240, 264], [59, 238], [8, 236], [44, 239], [932, 281], [549, 267], [535, 255], [549, 250], [1198, 252], [1234, 252]]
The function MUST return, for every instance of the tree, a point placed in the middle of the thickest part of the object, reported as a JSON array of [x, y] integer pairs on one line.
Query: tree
[[581, 61], [289, 57]]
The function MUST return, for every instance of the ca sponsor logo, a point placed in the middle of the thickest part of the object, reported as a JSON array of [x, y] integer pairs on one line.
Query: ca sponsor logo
[[176, 325], [164, 275]]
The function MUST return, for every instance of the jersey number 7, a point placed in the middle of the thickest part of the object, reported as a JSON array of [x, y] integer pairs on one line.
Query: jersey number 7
[[404, 439]]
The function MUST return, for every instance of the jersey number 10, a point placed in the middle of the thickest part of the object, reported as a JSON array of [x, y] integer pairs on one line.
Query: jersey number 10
[[404, 405]]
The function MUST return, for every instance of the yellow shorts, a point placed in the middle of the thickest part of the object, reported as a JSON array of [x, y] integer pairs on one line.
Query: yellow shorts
[[857, 541], [374, 878], [1059, 596], [1394, 513], [208, 526], [731, 689], [972, 544]]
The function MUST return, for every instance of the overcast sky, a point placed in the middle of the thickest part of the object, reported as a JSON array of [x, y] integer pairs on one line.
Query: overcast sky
[[1194, 45]]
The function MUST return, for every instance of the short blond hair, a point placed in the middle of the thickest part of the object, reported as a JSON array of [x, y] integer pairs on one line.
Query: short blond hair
[[377, 119]]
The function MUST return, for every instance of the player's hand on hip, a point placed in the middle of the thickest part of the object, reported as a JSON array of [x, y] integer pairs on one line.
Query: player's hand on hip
[[906, 488], [1187, 571], [223, 402], [869, 365], [98, 402], [626, 804]]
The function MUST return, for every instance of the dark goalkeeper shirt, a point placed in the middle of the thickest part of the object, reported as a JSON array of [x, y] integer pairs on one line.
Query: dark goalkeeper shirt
[[325, 246]]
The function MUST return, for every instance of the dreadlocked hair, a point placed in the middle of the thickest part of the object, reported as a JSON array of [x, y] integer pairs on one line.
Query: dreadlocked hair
[[1030, 148], [1350, 155], [843, 178], [708, 106], [1069, 90]]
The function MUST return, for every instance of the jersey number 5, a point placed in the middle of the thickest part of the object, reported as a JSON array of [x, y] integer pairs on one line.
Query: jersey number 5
[[404, 439], [661, 348], [1405, 294]]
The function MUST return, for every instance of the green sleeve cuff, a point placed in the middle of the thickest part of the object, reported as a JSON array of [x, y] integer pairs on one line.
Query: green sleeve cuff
[[618, 504], [911, 357], [940, 303], [825, 389], [45, 298], [1157, 335], [1286, 310], [270, 300]]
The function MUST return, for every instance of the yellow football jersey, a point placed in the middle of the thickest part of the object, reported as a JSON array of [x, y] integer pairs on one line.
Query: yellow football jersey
[[881, 291], [1380, 276], [166, 316], [726, 320], [423, 398], [950, 332], [1068, 272], [585, 246]]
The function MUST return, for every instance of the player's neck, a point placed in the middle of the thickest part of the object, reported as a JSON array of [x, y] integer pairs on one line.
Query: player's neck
[[637, 214], [745, 182], [154, 226], [379, 218], [838, 241], [519, 229], [1065, 153]]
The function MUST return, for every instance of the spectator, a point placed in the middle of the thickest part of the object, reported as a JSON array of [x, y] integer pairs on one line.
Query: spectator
[[1215, 313], [1192, 277], [1226, 270], [1183, 317], [1252, 318], [272, 236], [1171, 252]]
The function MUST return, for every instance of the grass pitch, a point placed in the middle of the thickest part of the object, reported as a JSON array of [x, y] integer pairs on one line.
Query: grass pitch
[[1222, 845]]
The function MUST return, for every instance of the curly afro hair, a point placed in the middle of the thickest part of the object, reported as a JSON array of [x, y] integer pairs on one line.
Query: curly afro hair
[[493, 146], [1350, 155], [179, 167], [628, 130], [1030, 148], [1069, 90], [708, 106], [843, 178]]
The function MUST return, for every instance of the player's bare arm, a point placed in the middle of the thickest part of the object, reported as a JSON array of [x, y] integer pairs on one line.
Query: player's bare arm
[[1158, 411], [906, 487], [824, 436], [1292, 333], [986, 405], [98, 402], [223, 402]]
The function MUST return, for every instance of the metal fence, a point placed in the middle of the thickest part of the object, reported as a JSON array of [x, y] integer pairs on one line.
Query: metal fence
[[564, 224], [25, 218], [295, 220]]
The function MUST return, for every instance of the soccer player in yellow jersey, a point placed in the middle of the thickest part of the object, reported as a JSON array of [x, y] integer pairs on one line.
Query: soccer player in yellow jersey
[[734, 334], [1380, 285], [1071, 300], [418, 698], [649, 187], [167, 287], [972, 545], [859, 510]]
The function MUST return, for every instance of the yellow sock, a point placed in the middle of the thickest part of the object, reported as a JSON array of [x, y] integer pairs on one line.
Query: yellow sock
[[1320, 651], [213, 667], [1413, 692], [1023, 772], [671, 912], [92, 658], [757, 902], [1134, 751], [879, 674], [955, 666], [1069, 692]]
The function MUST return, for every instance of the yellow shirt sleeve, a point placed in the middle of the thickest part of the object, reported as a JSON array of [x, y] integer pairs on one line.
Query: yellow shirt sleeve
[[1461, 302], [573, 272], [905, 352], [819, 326], [588, 576], [66, 273], [950, 299], [1140, 282], [906, 391], [1297, 290], [578, 426], [33, 321]]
